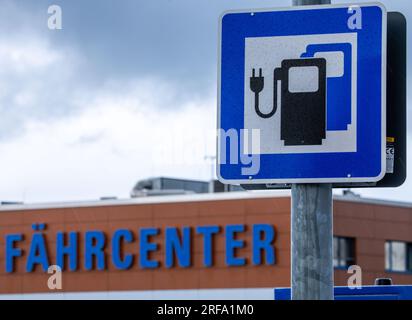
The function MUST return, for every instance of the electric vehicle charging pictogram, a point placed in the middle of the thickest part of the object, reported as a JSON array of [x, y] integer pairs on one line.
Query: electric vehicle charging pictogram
[[303, 119], [317, 102], [313, 87]]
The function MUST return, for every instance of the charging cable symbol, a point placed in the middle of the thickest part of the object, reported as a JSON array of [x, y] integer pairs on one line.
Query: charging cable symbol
[[256, 85]]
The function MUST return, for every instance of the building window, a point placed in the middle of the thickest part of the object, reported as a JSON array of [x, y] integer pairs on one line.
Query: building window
[[343, 252], [398, 256]]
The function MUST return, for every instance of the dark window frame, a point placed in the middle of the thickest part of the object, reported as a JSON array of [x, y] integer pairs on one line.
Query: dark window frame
[[408, 257], [343, 261]]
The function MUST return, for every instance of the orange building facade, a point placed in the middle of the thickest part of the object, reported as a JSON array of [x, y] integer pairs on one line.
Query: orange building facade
[[189, 243]]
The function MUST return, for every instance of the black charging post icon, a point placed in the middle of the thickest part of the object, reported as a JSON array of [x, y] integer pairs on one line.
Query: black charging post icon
[[303, 114]]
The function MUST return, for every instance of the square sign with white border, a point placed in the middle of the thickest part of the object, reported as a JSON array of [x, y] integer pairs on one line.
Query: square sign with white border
[[302, 95]]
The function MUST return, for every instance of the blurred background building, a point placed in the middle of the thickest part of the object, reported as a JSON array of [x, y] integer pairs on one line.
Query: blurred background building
[[374, 234]]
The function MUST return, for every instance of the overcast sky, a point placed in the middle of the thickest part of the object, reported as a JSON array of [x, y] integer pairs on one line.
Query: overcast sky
[[126, 90]]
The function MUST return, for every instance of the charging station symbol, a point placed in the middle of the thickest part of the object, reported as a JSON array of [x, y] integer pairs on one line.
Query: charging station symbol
[[311, 86], [310, 105], [303, 99]]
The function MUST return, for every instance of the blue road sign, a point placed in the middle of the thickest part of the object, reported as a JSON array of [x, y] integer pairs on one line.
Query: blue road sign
[[302, 95], [362, 293]]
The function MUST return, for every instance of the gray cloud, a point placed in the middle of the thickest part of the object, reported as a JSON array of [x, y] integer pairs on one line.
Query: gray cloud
[[163, 51], [107, 41], [172, 39]]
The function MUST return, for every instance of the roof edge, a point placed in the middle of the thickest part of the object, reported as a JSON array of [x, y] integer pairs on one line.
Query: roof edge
[[150, 200], [190, 198]]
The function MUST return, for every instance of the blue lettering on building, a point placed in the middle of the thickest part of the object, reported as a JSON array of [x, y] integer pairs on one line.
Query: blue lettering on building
[[68, 250], [207, 232], [94, 250], [121, 262], [146, 246], [140, 248], [11, 251], [178, 248], [232, 244]]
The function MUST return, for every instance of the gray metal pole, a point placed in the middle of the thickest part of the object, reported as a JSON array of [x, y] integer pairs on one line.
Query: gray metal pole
[[312, 242], [312, 234]]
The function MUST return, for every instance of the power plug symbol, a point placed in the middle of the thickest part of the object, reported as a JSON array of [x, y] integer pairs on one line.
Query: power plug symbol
[[257, 84]]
